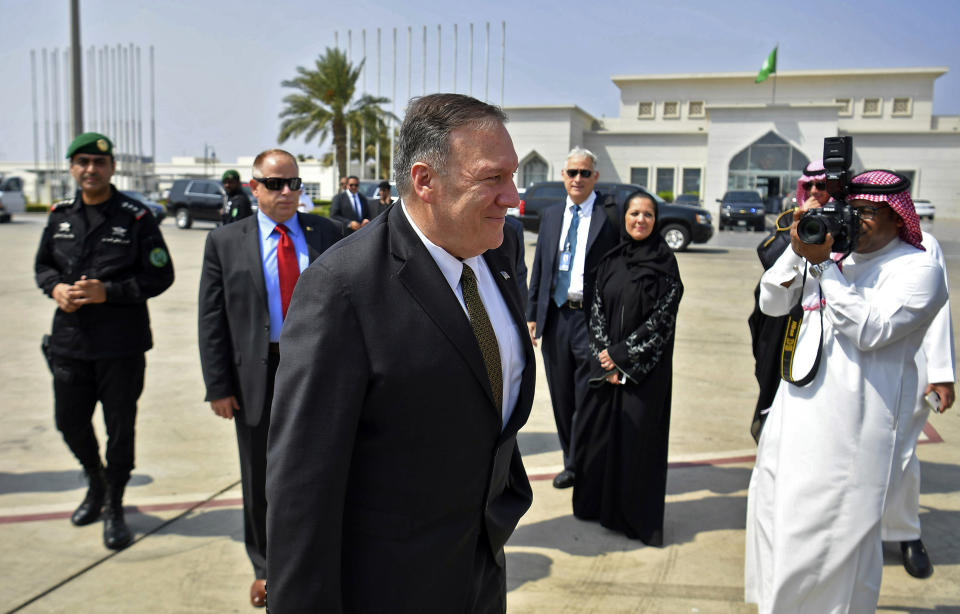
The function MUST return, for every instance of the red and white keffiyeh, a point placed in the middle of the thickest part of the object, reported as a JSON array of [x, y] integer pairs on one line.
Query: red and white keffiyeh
[[901, 202]]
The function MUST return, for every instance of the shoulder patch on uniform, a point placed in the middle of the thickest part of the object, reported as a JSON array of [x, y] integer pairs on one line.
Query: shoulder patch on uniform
[[159, 257]]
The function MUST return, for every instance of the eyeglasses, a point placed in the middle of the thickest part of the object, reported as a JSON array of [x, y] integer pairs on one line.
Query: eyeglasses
[[353, 185], [821, 185], [277, 183], [869, 212], [573, 172]]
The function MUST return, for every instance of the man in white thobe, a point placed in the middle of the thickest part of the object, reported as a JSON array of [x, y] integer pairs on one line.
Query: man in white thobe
[[825, 456], [935, 364]]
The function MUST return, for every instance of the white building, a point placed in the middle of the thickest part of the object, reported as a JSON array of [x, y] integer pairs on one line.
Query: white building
[[709, 132]]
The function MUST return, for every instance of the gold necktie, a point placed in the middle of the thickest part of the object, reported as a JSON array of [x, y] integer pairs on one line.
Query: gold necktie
[[483, 331]]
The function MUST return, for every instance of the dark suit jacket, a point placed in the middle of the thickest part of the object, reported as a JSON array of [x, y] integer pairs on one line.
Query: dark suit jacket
[[386, 462], [341, 209], [234, 320], [514, 225], [603, 236]]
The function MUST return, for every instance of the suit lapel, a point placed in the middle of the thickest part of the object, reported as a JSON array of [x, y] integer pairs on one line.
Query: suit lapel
[[250, 250], [419, 274], [313, 237], [552, 237], [597, 217]]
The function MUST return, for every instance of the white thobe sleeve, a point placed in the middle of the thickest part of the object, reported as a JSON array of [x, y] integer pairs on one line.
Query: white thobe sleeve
[[899, 306], [775, 299], [938, 340]]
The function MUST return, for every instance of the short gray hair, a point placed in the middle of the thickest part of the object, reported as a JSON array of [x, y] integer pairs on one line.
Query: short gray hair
[[580, 152], [425, 132]]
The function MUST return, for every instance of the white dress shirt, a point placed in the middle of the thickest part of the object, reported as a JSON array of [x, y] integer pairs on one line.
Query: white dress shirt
[[512, 360], [575, 291]]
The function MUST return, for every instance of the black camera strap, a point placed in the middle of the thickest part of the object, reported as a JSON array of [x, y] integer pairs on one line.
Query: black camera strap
[[792, 333]]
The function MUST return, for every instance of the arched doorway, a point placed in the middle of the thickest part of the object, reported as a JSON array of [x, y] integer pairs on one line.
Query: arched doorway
[[771, 165], [533, 170]]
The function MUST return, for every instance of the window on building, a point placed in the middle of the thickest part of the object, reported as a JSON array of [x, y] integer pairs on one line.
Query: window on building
[[691, 181], [645, 110], [534, 171], [665, 183], [846, 107], [312, 190], [639, 176], [671, 109], [871, 107], [901, 107], [695, 108]]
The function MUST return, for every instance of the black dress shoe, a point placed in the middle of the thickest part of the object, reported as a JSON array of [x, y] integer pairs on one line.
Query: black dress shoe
[[915, 559], [564, 479], [89, 509]]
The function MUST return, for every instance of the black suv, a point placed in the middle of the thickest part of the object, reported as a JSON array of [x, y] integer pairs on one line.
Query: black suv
[[196, 199], [742, 208], [680, 224]]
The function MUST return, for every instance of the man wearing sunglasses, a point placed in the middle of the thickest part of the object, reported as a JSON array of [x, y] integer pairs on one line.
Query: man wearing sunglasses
[[249, 271], [823, 465], [350, 208], [573, 236]]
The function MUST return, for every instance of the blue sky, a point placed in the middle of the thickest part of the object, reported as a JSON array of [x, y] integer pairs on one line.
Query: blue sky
[[220, 64]]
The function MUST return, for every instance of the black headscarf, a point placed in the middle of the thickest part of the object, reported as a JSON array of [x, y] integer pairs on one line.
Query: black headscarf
[[645, 263]]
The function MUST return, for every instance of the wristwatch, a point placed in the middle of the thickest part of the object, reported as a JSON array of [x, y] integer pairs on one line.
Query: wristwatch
[[816, 270]]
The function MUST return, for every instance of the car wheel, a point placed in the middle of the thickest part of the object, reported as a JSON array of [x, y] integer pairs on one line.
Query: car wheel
[[183, 218], [676, 236]]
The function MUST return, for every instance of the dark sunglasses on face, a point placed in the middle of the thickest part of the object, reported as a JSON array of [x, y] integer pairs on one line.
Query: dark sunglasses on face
[[277, 183], [573, 172], [353, 185], [821, 185]]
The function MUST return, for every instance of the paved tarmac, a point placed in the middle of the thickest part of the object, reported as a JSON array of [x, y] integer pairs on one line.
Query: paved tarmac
[[184, 498]]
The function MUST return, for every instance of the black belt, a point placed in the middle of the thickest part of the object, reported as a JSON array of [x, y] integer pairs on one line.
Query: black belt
[[577, 305], [274, 348]]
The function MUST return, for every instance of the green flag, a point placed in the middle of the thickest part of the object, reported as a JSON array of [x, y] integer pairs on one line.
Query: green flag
[[769, 66]]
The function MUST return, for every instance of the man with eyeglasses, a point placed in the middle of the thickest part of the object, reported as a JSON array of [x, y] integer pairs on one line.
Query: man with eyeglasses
[[350, 208], [573, 236], [249, 271], [101, 257], [823, 464], [766, 332], [238, 203]]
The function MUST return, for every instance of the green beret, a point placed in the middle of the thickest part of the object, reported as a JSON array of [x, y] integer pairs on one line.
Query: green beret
[[230, 174], [90, 143]]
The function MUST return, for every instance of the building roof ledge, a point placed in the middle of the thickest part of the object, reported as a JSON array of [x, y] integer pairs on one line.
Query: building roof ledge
[[931, 71]]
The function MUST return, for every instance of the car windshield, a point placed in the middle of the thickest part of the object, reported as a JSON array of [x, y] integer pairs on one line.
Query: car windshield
[[743, 196]]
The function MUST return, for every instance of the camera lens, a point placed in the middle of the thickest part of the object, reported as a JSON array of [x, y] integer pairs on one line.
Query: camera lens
[[812, 230]]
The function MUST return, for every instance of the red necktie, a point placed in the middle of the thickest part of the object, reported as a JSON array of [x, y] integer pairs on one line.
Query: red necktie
[[288, 269]]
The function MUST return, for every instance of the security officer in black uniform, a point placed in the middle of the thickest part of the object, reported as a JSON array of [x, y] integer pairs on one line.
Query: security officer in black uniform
[[238, 204], [101, 257]]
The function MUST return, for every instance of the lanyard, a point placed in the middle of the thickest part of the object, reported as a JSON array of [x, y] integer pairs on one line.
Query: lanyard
[[788, 350]]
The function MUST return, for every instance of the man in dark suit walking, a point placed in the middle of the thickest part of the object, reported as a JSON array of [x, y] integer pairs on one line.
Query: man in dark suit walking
[[393, 473], [573, 237], [249, 270], [350, 208]]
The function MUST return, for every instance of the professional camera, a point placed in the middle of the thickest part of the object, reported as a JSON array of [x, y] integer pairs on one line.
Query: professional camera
[[836, 217]]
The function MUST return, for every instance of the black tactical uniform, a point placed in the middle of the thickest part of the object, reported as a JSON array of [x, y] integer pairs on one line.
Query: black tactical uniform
[[238, 207], [96, 353]]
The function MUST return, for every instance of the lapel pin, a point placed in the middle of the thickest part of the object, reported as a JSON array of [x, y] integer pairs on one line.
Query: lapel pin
[[505, 274], [309, 229]]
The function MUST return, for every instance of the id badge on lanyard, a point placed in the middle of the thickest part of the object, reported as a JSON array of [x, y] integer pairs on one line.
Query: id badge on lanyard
[[565, 258]]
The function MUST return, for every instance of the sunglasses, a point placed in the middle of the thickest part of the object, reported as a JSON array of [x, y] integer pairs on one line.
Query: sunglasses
[[869, 212], [821, 185], [573, 172], [277, 183], [353, 185]]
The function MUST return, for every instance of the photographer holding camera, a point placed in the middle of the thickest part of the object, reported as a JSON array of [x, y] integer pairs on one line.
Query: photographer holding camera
[[825, 455]]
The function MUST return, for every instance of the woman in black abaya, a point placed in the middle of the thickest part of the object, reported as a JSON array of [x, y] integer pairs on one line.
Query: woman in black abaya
[[621, 451]]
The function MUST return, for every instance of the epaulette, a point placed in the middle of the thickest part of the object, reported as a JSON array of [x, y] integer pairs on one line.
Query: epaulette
[[61, 203], [134, 207]]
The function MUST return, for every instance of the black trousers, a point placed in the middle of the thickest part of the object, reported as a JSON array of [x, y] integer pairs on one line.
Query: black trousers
[[77, 387], [488, 590], [566, 360], [252, 443]]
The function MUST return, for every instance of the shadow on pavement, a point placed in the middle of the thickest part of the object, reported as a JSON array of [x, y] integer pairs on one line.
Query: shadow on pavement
[[523, 567], [722, 480], [706, 250], [202, 523], [537, 442], [54, 481], [939, 478]]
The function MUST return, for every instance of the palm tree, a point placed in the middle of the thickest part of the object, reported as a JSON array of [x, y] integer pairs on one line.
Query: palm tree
[[322, 104]]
